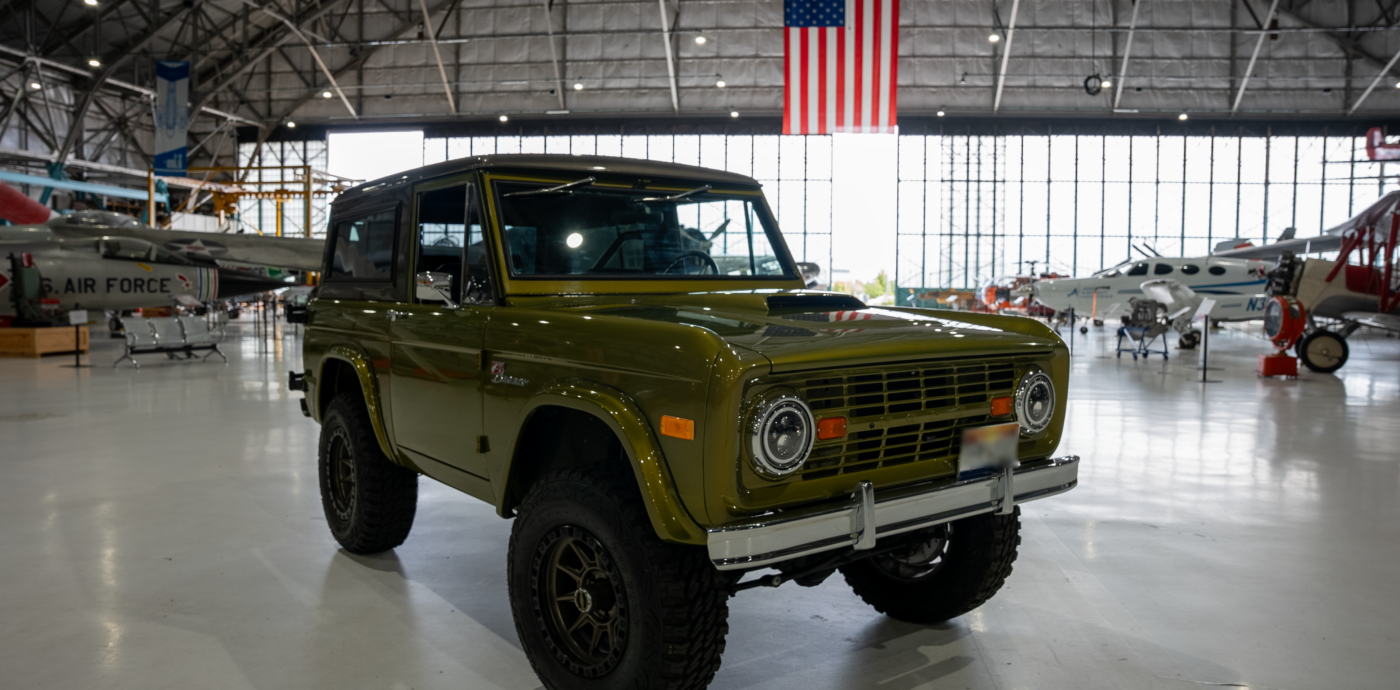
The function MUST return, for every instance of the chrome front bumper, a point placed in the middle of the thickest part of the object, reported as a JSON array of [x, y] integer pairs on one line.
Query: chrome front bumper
[[770, 540]]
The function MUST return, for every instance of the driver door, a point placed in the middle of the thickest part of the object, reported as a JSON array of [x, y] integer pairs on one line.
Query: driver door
[[437, 338]]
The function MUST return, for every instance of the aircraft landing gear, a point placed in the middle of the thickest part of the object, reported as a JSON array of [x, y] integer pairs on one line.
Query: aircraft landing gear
[[1098, 323], [1083, 330], [1323, 351], [1189, 340]]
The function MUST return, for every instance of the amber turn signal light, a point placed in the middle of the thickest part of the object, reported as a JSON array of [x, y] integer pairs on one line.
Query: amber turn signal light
[[1001, 406], [676, 427], [831, 427]]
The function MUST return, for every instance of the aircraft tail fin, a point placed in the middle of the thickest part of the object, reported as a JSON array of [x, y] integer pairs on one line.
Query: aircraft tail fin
[[19, 209]]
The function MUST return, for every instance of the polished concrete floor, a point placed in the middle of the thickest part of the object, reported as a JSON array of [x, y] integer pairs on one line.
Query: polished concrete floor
[[161, 529]]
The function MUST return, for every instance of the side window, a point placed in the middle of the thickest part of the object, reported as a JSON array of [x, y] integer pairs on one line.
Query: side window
[[1161, 269], [442, 234], [450, 241], [1138, 269], [1190, 269], [1217, 270], [364, 248]]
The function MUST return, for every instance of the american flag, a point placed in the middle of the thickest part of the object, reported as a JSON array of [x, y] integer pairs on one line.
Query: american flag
[[840, 67]]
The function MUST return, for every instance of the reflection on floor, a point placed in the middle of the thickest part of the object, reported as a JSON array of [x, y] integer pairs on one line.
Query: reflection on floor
[[161, 528]]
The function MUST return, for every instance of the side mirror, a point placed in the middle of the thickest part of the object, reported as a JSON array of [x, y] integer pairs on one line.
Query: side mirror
[[434, 287], [296, 313]]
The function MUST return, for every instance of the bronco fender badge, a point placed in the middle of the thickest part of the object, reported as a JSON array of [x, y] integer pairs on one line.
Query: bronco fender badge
[[498, 375]]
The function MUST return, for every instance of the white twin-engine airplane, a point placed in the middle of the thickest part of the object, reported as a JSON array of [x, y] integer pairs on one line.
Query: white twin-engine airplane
[[1236, 285]]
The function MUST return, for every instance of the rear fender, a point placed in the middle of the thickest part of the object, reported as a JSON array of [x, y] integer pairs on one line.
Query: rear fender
[[621, 414]]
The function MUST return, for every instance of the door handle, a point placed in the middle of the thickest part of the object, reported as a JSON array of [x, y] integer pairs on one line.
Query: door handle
[[394, 314]]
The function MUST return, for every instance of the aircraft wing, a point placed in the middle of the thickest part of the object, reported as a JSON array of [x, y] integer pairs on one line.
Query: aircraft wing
[[285, 252], [1307, 245], [1386, 322]]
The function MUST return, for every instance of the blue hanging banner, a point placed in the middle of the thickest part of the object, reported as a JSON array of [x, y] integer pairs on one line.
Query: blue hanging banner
[[172, 118]]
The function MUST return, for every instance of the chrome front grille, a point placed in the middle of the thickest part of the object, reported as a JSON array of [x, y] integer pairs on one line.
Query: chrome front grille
[[899, 415]]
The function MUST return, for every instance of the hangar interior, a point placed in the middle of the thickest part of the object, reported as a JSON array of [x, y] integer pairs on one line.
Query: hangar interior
[[1231, 523]]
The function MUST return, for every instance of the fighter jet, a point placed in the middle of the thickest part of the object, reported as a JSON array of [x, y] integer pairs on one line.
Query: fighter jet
[[93, 260]]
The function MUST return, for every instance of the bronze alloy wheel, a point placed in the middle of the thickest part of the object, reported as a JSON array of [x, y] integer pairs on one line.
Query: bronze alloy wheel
[[342, 475], [579, 601], [921, 560]]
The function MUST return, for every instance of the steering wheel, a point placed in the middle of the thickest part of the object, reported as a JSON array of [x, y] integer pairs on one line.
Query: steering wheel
[[694, 254]]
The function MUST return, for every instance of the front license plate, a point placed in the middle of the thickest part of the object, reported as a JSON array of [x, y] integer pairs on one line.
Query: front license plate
[[987, 448]]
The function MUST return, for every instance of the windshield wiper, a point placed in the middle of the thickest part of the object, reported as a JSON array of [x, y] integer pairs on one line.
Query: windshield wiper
[[675, 197], [550, 190]]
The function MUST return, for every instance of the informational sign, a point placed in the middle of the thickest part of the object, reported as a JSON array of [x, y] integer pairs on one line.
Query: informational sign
[[172, 118], [1204, 310], [78, 317]]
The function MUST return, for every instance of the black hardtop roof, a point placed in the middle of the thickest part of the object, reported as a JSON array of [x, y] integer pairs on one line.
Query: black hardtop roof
[[553, 162]]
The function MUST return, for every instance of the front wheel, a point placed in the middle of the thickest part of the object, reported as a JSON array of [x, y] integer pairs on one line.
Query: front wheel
[[943, 573], [1189, 340], [1323, 351], [599, 601]]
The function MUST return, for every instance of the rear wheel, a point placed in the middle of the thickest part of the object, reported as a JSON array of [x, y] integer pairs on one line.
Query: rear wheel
[[944, 572], [1323, 351], [369, 501], [599, 601]]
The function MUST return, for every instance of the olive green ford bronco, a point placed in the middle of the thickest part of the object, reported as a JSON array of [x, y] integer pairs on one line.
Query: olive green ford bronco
[[623, 356]]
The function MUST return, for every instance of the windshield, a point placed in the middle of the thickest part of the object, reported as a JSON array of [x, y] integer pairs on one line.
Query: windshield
[[593, 231], [1114, 272]]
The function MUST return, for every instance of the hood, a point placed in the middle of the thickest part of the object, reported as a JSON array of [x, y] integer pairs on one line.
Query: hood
[[799, 330]]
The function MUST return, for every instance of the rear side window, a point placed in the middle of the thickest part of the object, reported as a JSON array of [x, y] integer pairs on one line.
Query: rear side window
[[1190, 269], [364, 248], [1161, 269], [1138, 269]]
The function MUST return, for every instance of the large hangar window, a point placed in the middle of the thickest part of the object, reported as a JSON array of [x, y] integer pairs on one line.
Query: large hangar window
[[972, 206]]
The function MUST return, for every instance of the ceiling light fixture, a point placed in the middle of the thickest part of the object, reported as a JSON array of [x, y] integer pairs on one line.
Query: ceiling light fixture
[[35, 85], [1106, 84], [994, 38], [720, 84], [505, 118], [1181, 116], [700, 39], [94, 62], [734, 113], [325, 94], [92, 3], [291, 125], [963, 80], [578, 86], [940, 113]]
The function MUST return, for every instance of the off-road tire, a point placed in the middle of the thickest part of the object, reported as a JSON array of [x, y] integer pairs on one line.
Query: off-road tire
[[978, 559], [676, 602], [375, 511], [1323, 351]]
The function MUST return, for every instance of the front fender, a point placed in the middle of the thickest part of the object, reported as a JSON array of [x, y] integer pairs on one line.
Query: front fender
[[616, 409], [359, 361]]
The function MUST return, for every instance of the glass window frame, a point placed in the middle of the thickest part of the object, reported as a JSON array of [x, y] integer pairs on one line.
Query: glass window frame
[[472, 181], [333, 235]]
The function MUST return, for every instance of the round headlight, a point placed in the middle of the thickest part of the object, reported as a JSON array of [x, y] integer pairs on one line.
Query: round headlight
[[1035, 402], [781, 435]]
